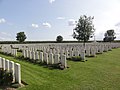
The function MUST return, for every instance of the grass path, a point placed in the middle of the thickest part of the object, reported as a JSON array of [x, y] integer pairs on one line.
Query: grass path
[[98, 73]]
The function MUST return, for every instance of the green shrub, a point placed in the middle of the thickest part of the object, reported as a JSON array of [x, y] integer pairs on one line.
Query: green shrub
[[6, 77]]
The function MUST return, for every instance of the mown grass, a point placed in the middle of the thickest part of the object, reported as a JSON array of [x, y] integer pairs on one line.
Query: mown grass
[[98, 73]]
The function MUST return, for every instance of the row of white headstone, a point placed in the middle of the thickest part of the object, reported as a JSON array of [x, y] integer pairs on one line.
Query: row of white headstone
[[64, 46], [12, 67], [48, 58], [68, 49], [90, 50], [93, 50], [47, 48], [9, 50], [42, 46]]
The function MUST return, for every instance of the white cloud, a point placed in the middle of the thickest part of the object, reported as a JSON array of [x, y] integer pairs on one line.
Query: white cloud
[[118, 24], [35, 25], [5, 34], [61, 18], [47, 25], [71, 22], [2, 20], [1, 38], [99, 35], [51, 1]]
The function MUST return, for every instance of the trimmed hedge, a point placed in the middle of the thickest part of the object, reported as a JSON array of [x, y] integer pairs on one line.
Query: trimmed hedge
[[30, 42]]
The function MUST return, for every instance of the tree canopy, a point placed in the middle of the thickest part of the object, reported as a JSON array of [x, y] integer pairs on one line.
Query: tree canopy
[[84, 28], [59, 38], [109, 36], [21, 37]]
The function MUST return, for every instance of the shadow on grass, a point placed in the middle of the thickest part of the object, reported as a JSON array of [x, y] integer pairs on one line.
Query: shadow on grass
[[76, 59], [13, 86], [92, 56], [43, 64]]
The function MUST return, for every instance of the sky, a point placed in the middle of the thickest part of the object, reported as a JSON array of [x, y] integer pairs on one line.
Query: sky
[[44, 20]]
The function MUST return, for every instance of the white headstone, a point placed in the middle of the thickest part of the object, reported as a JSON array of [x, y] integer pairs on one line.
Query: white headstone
[[11, 68], [57, 59], [7, 65], [45, 58], [17, 73], [0, 62], [93, 53], [41, 56], [3, 63], [63, 61], [51, 61], [36, 55], [88, 51], [76, 53], [71, 53], [83, 55]]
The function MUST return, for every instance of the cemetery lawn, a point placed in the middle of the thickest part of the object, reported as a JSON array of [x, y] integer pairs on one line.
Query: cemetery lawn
[[98, 73]]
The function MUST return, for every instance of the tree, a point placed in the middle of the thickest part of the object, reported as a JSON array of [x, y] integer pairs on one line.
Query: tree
[[59, 38], [21, 37], [109, 36], [84, 29]]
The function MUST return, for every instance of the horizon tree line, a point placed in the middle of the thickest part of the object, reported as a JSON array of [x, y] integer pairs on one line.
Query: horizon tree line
[[83, 31]]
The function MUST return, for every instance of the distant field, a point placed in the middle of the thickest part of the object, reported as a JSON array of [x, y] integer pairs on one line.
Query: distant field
[[98, 73]]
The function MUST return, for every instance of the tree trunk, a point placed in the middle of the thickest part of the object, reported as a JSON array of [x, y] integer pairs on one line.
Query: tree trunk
[[84, 43]]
